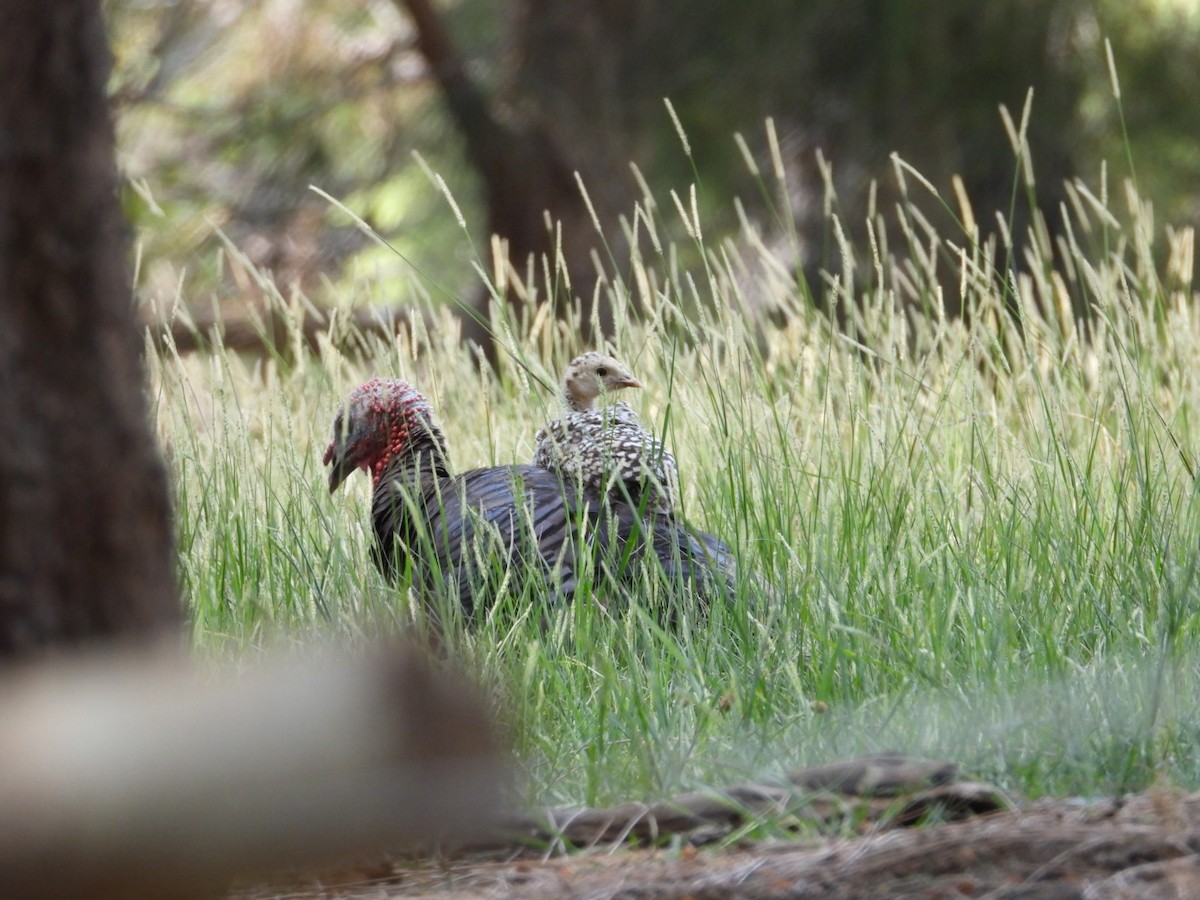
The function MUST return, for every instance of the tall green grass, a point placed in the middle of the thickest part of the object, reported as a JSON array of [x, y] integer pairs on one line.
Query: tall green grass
[[983, 531]]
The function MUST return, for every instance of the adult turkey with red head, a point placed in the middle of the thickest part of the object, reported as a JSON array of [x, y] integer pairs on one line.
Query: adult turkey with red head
[[457, 532]]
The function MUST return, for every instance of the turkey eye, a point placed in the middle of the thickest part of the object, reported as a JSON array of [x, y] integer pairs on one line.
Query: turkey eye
[[602, 372]]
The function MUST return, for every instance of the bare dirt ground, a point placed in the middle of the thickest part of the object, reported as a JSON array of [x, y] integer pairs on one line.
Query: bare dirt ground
[[981, 845]]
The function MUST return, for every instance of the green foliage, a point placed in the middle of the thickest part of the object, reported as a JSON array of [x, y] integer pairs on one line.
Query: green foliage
[[227, 115], [229, 111], [983, 532]]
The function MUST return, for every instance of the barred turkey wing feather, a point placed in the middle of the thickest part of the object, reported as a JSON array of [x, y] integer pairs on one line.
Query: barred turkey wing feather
[[690, 555], [418, 523], [718, 554], [761, 592], [480, 562], [467, 535], [480, 540], [394, 515], [629, 546], [475, 530], [556, 510]]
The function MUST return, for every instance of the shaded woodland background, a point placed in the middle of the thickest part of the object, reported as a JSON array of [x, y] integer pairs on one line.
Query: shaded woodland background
[[229, 109]]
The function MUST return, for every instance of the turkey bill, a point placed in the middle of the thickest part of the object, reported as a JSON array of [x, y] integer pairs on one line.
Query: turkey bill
[[475, 533], [606, 448]]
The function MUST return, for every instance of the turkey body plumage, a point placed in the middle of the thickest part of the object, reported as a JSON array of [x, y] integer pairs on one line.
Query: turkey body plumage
[[466, 535], [609, 451], [605, 447]]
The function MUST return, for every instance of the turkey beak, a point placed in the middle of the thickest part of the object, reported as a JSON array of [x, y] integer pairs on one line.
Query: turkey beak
[[335, 456], [631, 382]]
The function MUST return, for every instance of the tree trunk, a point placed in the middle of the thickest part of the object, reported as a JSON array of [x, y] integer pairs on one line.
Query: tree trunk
[[528, 162], [86, 546]]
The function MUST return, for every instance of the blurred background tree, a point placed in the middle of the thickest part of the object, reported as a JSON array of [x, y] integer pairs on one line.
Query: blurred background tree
[[230, 109], [87, 549]]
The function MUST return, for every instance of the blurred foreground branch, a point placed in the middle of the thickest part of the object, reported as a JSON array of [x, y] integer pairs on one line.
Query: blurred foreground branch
[[138, 779]]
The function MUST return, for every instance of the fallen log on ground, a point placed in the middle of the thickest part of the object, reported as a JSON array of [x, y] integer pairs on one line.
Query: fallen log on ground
[[899, 788], [1145, 847]]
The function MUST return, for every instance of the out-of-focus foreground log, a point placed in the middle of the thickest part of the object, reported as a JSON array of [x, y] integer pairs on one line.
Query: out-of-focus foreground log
[[138, 779]]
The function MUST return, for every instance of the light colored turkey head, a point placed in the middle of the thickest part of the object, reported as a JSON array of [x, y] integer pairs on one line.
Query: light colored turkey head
[[589, 376], [377, 422]]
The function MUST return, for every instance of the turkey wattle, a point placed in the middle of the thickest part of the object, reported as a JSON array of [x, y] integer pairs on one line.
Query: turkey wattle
[[606, 448], [472, 529]]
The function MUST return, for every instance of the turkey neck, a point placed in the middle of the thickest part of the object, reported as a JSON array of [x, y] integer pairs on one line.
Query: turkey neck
[[422, 459]]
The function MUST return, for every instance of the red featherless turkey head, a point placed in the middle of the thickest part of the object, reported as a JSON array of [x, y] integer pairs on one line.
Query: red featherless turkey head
[[381, 420]]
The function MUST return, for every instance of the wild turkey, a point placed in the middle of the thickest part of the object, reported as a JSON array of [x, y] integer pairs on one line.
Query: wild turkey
[[469, 531], [606, 448]]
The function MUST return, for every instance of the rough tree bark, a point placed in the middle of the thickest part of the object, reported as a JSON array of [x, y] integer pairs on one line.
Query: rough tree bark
[[85, 529], [527, 160]]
